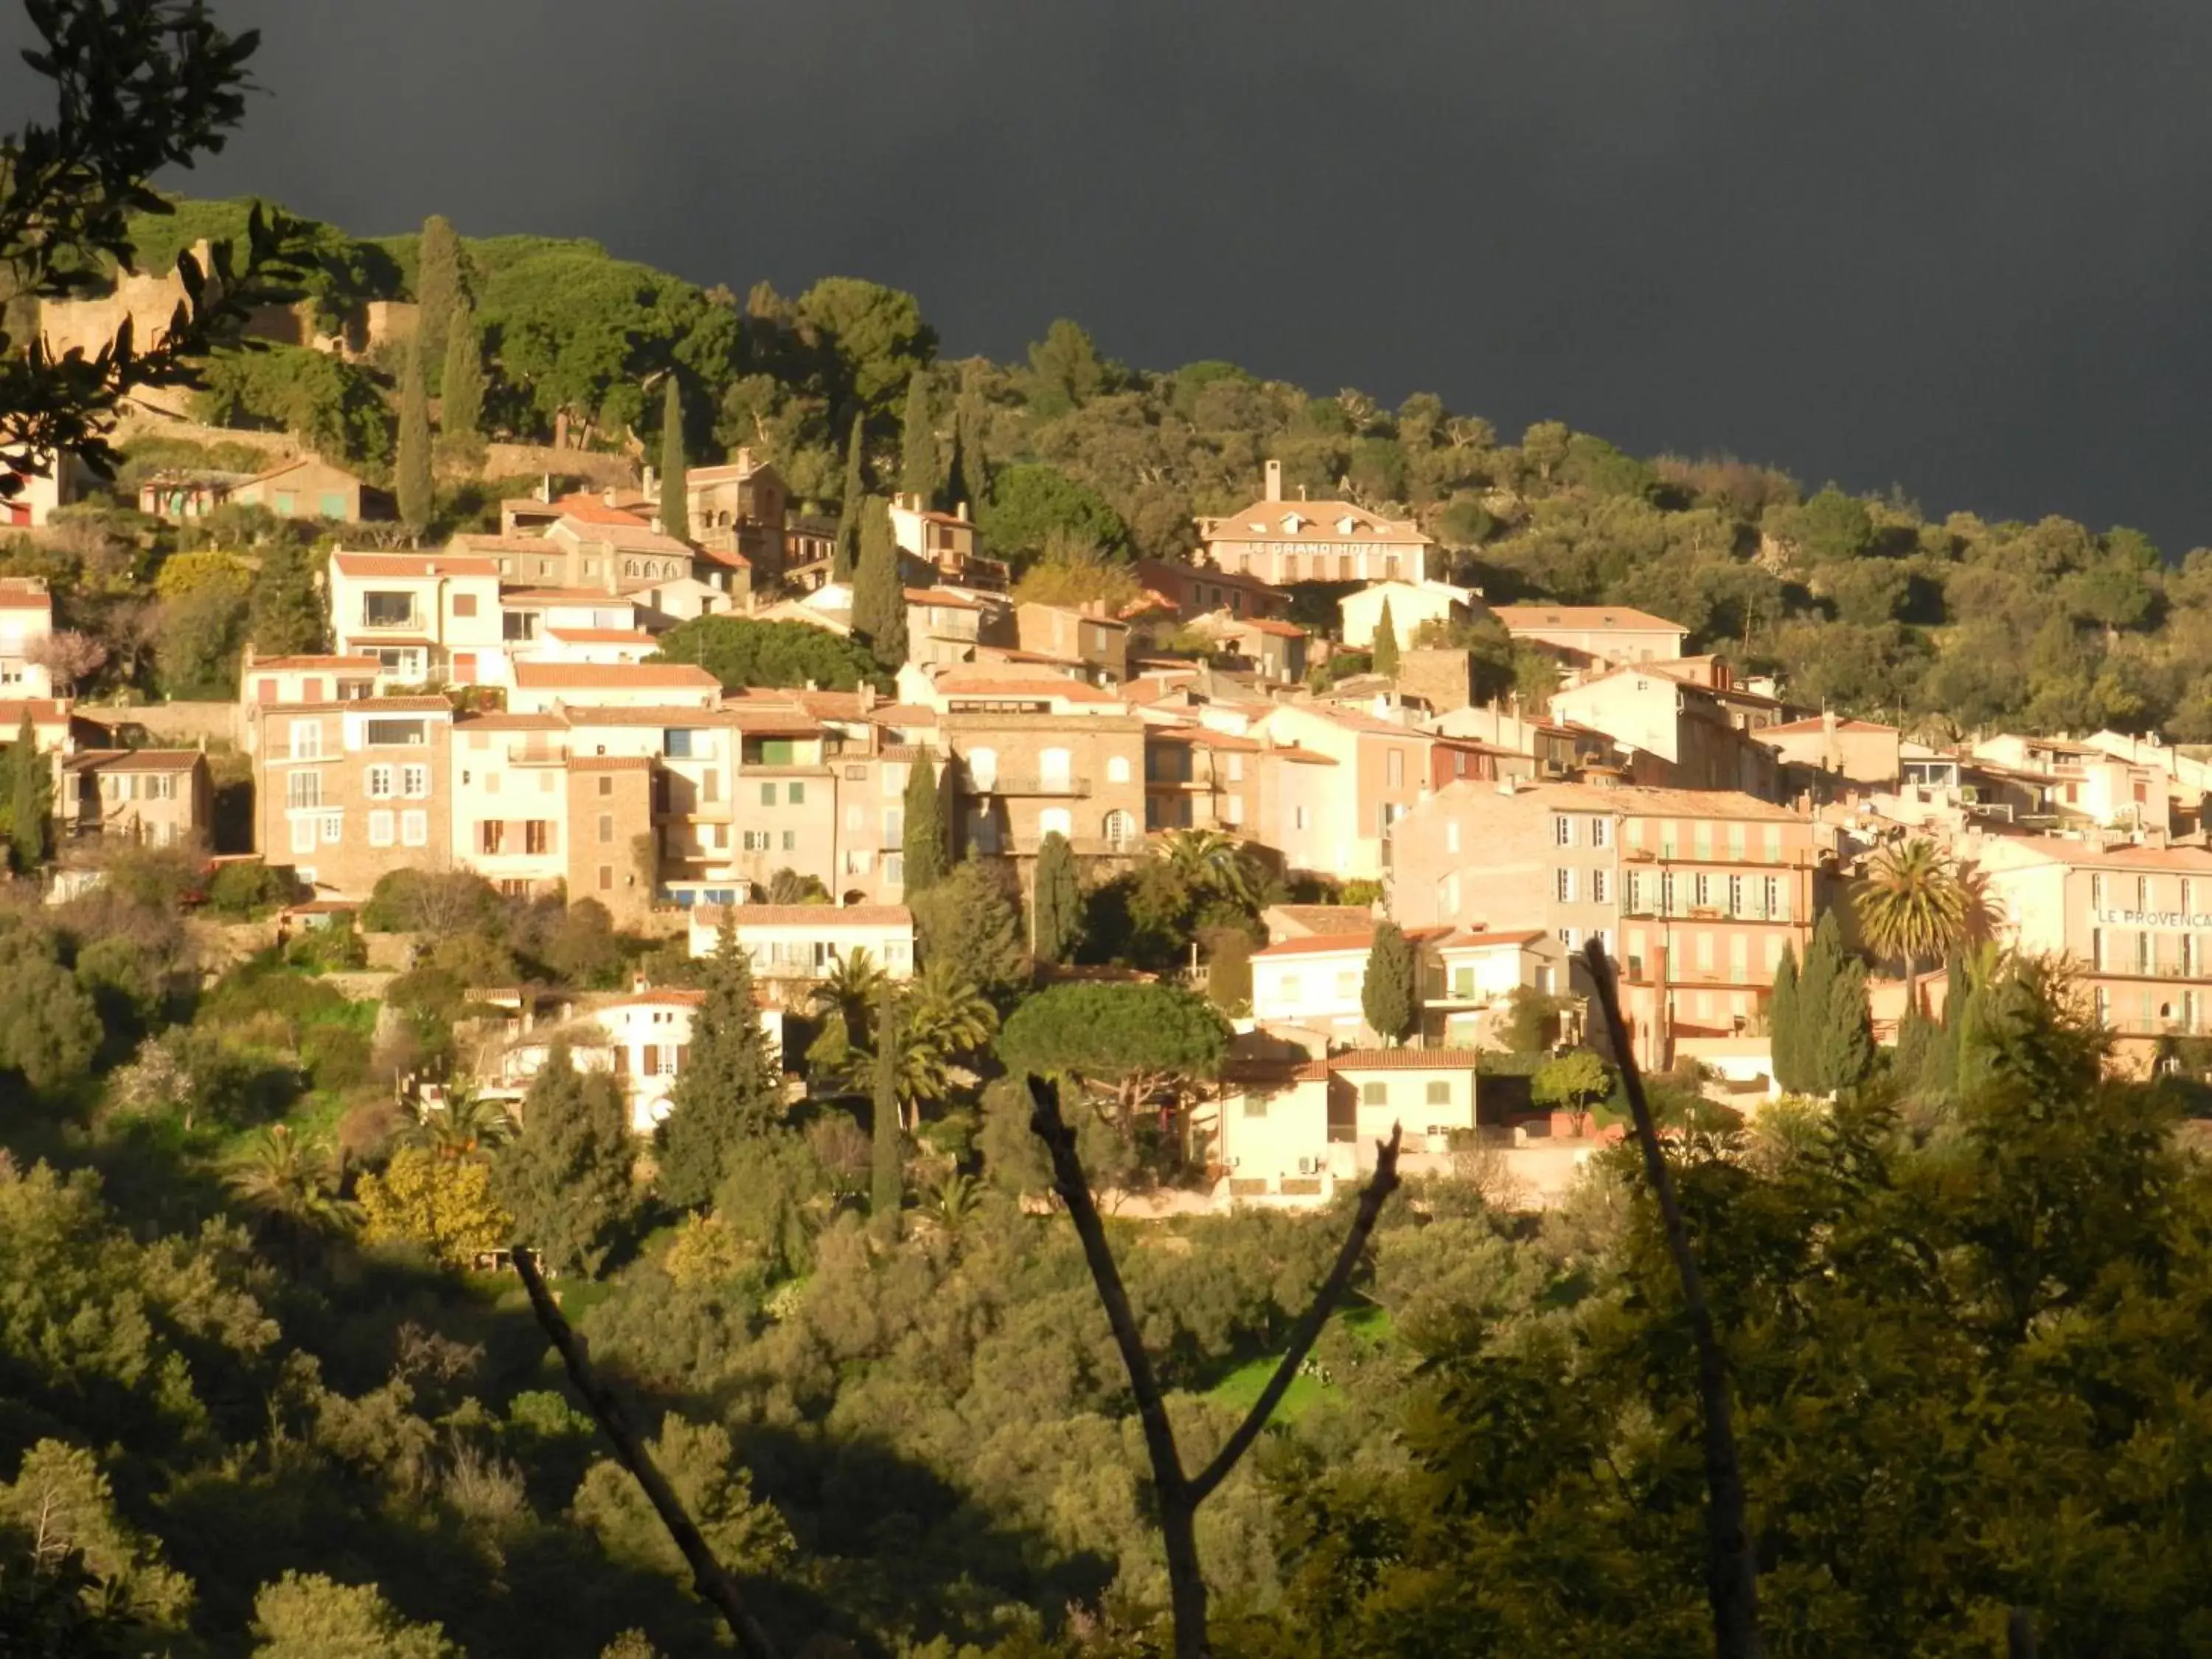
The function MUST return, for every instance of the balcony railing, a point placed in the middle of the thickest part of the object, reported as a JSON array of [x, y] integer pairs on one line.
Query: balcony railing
[[537, 754], [390, 624], [1022, 783]]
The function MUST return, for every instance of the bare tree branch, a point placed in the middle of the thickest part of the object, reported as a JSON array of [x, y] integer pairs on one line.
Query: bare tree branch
[[1177, 1494], [1731, 1566], [712, 1582]]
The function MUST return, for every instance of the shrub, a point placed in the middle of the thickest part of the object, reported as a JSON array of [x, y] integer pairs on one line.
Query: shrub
[[248, 888]]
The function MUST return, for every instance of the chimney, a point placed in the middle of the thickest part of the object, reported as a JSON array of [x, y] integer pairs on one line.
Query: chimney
[[960, 511], [1275, 481], [545, 487], [646, 489], [867, 696], [637, 984]]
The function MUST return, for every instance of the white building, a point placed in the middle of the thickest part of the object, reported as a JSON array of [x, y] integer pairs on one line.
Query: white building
[[802, 943], [1411, 603], [642, 1036], [26, 622]]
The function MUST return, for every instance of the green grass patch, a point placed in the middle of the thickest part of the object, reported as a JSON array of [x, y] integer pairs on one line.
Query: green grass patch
[[1240, 1390]]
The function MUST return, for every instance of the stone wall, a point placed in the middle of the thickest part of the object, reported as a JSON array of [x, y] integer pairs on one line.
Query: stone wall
[[176, 725], [596, 467], [1439, 676]]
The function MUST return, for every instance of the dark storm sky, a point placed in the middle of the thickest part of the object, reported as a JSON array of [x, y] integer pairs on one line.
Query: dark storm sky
[[1959, 246]]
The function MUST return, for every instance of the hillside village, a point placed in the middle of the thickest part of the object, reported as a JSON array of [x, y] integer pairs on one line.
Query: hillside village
[[501, 705], [678, 977]]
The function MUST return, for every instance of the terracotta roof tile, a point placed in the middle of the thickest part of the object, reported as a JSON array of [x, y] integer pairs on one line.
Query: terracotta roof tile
[[612, 676], [793, 915], [1621, 617], [389, 565]]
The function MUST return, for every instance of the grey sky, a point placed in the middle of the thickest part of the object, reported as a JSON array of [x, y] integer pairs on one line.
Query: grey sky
[[1957, 246]]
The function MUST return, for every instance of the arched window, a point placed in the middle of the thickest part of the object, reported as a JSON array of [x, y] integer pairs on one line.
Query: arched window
[[1117, 770], [983, 768], [1054, 771], [629, 568], [1056, 820], [1120, 830]]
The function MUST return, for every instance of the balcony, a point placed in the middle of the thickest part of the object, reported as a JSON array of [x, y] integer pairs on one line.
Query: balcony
[[1022, 783], [537, 754]]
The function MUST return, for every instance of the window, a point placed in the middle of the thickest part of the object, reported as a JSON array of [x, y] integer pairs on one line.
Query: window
[[161, 788], [332, 504], [1701, 839], [491, 783], [387, 610], [1297, 817], [518, 627], [895, 868], [303, 789], [396, 734], [606, 828], [464, 604], [1601, 832], [1290, 988], [1451, 836], [795, 794], [303, 835], [415, 782], [1563, 885], [1701, 891], [791, 841], [1776, 903], [415, 829], [1600, 886], [756, 841], [768, 795], [1563, 830], [1774, 843], [1394, 769], [380, 783], [307, 740], [606, 786], [1374, 1094], [1117, 768], [1439, 1093], [1347, 985], [491, 837], [677, 744], [380, 828], [606, 878], [333, 827], [710, 784], [537, 835], [1256, 1106]]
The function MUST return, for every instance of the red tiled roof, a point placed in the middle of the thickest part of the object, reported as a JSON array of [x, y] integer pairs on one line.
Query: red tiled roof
[[610, 763], [22, 593], [666, 994], [1202, 736], [410, 565], [1317, 522], [293, 665], [589, 507], [1322, 943], [621, 530], [1405, 1059], [529, 596], [792, 916], [1478, 939], [1815, 724], [1620, 617], [964, 685], [600, 635], [612, 676], [479, 541], [505, 722], [135, 760], [937, 597], [1269, 625]]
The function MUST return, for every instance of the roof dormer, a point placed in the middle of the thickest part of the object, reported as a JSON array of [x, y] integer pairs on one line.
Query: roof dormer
[[1294, 522]]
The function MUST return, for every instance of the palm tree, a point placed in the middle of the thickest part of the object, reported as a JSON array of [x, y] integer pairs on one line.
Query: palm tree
[[1912, 905], [294, 1182], [1213, 861], [951, 1206], [943, 1018], [849, 990], [464, 1128]]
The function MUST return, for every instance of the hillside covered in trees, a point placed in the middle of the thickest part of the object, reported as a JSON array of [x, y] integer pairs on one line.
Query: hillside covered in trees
[[1872, 605]]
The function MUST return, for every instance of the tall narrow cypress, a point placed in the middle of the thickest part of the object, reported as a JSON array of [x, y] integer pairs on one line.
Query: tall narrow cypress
[[848, 555], [1782, 1024], [969, 480], [1847, 1049], [918, 442], [887, 1172], [1816, 999], [1056, 900], [460, 406], [31, 801], [675, 508], [926, 853], [438, 289], [878, 590], [414, 469], [1385, 647]]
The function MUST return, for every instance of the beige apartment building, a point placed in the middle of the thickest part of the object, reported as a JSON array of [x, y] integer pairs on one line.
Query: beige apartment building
[[1282, 542], [1383, 770], [426, 617], [1850, 751], [1676, 735], [1695, 894], [1087, 640], [1593, 635], [2135, 921], [27, 622], [1019, 776], [344, 792], [739, 509], [149, 797]]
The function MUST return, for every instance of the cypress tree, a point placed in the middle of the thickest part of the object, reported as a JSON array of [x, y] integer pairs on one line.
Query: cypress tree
[[1816, 990], [879, 591], [1386, 643], [730, 1090], [926, 848], [438, 290], [887, 1170], [918, 442], [460, 409], [565, 1178], [1847, 1050], [969, 479], [1782, 1024], [283, 612], [1390, 997], [848, 555], [30, 800], [675, 505], [414, 480], [1057, 902]]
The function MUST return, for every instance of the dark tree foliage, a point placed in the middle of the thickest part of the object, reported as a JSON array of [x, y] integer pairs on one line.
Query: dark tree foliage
[[730, 1091], [1783, 1023], [565, 1177], [887, 1155], [30, 799], [740, 651], [1390, 994], [918, 443], [846, 560], [1385, 656], [1135, 1043], [461, 399], [284, 612], [140, 86], [415, 492], [1057, 902], [926, 852], [674, 508], [440, 290], [1817, 1002], [880, 588]]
